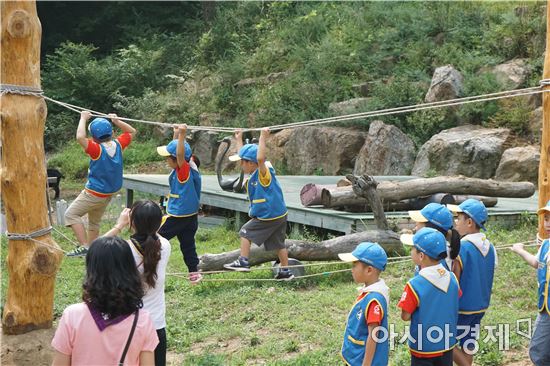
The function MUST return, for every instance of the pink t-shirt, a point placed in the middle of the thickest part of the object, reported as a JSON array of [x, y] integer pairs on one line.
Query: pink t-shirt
[[78, 336]]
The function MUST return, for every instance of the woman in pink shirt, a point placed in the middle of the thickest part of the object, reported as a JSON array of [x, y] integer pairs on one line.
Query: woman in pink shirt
[[108, 328]]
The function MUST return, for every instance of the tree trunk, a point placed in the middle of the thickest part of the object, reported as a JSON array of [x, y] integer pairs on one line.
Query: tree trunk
[[31, 267], [544, 164], [365, 186], [308, 251], [398, 191]]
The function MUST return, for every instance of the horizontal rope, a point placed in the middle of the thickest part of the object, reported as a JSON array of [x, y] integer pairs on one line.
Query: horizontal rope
[[20, 89], [29, 236]]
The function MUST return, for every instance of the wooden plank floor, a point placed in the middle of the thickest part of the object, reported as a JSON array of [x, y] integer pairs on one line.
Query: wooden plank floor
[[507, 210]]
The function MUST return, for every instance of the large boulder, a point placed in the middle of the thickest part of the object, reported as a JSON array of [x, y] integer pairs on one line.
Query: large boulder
[[276, 145], [535, 125], [447, 83], [323, 150], [468, 150], [387, 151], [512, 74], [519, 164], [349, 106], [205, 147]]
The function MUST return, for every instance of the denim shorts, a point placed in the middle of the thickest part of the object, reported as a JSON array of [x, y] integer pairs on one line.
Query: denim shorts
[[539, 348], [468, 329]]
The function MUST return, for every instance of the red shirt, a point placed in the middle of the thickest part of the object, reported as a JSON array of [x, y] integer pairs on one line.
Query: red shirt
[[183, 172], [374, 312], [409, 303], [94, 150]]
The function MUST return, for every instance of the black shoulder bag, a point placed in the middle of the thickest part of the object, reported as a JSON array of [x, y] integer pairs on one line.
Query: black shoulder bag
[[121, 362]]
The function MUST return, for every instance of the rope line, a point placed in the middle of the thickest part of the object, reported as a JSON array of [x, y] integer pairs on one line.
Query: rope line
[[24, 90], [29, 236]]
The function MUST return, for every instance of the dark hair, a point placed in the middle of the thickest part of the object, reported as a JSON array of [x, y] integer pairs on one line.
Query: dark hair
[[145, 219], [112, 284], [196, 160], [452, 236]]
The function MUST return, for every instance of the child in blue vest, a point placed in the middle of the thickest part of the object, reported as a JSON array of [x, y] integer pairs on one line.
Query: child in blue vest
[[366, 339], [183, 200], [104, 176], [474, 267], [437, 216], [430, 301], [268, 212], [539, 348]]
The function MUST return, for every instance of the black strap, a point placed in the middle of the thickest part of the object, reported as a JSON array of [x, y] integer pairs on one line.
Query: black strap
[[121, 362]]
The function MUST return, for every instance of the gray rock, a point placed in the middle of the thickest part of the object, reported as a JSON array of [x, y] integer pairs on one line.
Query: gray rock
[[323, 150], [519, 164], [205, 147], [512, 73], [468, 150], [387, 151], [349, 106], [535, 125], [447, 83]]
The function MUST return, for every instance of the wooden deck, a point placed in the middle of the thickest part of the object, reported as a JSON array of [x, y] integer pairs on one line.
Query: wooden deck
[[507, 211]]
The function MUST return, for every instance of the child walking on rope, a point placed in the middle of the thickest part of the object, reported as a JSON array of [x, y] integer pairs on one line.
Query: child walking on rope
[[475, 268], [268, 212], [368, 319], [108, 327], [151, 254], [539, 347], [104, 176], [184, 199], [430, 301]]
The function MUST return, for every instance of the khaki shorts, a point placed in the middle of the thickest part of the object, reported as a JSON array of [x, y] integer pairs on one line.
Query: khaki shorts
[[87, 203]]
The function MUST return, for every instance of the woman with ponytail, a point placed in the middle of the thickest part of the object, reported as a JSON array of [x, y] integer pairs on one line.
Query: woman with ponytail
[[151, 253], [439, 217]]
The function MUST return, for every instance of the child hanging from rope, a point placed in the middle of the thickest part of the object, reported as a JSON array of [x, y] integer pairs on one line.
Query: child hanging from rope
[[183, 201], [104, 176], [368, 319], [475, 268], [430, 301], [268, 212], [151, 254], [439, 217], [108, 327], [539, 347]]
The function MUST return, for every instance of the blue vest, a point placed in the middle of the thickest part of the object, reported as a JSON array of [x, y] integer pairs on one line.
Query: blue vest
[[105, 172], [435, 309], [542, 277], [476, 278], [266, 202], [184, 197], [357, 332]]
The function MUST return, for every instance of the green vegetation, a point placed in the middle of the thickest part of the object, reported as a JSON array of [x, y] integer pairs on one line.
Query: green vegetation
[[300, 322], [174, 62]]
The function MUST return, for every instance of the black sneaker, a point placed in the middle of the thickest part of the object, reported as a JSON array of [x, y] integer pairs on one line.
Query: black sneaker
[[284, 275], [239, 265], [78, 252]]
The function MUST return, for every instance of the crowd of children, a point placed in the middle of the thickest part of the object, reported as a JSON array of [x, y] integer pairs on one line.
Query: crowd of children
[[122, 317]]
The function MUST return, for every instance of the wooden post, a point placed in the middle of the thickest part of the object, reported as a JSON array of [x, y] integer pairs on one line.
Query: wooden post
[[31, 267], [544, 165]]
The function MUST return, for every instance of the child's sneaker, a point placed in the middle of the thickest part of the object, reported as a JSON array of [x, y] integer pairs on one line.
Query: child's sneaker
[[195, 277], [284, 275], [78, 252], [240, 265]]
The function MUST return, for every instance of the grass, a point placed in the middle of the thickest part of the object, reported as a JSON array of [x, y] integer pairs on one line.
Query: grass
[[301, 322]]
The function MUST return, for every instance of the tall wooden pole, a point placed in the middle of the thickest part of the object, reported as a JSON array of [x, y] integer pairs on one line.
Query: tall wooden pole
[[544, 166], [31, 266]]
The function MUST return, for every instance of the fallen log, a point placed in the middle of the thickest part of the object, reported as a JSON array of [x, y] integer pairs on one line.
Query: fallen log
[[310, 194], [309, 251], [398, 191]]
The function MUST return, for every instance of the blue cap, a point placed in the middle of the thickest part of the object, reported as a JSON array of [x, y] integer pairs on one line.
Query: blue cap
[[428, 241], [171, 149], [435, 213], [247, 152], [369, 253], [100, 128], [474, 209], [545, 209]]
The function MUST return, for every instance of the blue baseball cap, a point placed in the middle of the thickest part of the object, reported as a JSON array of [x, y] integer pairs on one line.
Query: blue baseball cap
[[474, 209], [428, 241], [369, 253], [545, 209], [247, 152], [435, 213], [171, 149], [100, 128]]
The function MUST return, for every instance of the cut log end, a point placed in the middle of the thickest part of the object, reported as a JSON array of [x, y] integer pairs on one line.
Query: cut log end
[[19, 24]]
